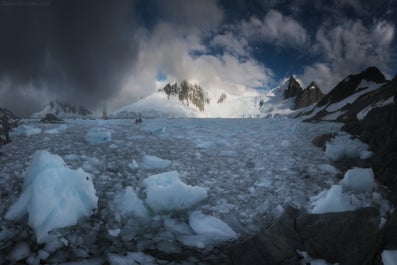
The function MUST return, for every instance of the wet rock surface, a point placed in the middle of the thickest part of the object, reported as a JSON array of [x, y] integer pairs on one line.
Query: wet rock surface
[[351, 237]]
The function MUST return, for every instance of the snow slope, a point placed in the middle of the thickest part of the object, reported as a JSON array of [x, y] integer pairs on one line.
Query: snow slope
[[159, 105], [242, 172]]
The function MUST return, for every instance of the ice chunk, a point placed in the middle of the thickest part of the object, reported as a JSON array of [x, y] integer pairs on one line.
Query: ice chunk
[[25, 130], [285, 144], [133, 164], [154, 162], [128, 203], [389, 257], [344, 146], [166, 192], [56, 130], [98, 135], [114, 232], [19, 252], [335, 152], [132, 258], [332, 200], [359, 179], [54, 196], [177, 227], [329, 168], [211, 228]]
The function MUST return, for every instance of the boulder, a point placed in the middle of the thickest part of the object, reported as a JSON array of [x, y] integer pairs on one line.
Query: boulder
[[275, 245], [351, 237], [322, 139], [51, 118]]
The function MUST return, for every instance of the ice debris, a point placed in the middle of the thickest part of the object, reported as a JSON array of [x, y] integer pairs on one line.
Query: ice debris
[[98, 135]]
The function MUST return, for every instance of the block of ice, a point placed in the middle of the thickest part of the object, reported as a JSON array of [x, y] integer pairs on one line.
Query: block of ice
[[24, 130], [131, 258], [56, 130], [166, 192], [359, 179], [344, 146], [211, 228], [335, 152], [133, 164], [19, 252], [98, 135], [177, 227], [332, 200], [54, 196], [154, 162], [389, 257], [128, 203]]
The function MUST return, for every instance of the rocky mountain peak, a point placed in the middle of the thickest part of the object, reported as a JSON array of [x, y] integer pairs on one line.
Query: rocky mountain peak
[[351, 84], [187, 93], [309, 96], [373, 74], [294, 88], [313, 85]]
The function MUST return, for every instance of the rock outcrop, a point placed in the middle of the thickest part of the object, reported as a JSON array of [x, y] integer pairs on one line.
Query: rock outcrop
[[187, 93], [350, 237], [63, 110], [51, 118], [309, 96], [353, 98], [293, 89]]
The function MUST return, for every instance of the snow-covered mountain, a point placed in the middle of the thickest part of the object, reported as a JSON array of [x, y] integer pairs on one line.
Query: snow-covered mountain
[[191, 100], [353, 97], [64, 110]]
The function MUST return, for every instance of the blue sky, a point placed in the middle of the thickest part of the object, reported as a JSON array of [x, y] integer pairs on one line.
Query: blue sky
[[116, 53]]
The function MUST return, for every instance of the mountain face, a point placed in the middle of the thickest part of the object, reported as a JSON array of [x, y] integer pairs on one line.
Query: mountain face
[[188, 94], [63, 110], [309, 96], [353, 97], [293, 89]]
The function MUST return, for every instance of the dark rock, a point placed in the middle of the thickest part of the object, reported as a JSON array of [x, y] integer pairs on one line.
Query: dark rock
[[221, 98], [348, 86], [345, 237], [63, 109], [390, 233], [309, 96], [51, 118], [275, 245], [322, 139], [294, 88], [187, 93]]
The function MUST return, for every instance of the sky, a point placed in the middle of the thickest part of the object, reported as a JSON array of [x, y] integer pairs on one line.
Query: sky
[[97, 52]]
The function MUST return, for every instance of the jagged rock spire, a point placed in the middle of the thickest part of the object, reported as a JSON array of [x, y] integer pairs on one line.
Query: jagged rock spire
[[294, 88]]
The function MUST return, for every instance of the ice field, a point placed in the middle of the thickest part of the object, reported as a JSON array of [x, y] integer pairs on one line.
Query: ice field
[[175, 189]]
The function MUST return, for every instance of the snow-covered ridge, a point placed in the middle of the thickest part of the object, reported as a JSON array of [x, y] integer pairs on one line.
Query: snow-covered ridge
[[192, 101], [65, 110]]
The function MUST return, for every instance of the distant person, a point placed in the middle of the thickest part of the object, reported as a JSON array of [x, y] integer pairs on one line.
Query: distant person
[[138, 118], [6, 127]]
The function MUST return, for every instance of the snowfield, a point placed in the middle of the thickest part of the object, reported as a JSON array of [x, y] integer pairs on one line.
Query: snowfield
[[180, 187]]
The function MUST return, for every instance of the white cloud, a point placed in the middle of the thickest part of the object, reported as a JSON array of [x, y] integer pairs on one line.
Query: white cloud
[[182, 55], [348, 48], [277, 29], [229, 42]]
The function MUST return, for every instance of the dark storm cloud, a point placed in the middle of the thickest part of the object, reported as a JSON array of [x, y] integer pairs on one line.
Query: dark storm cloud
[[75, 50]]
